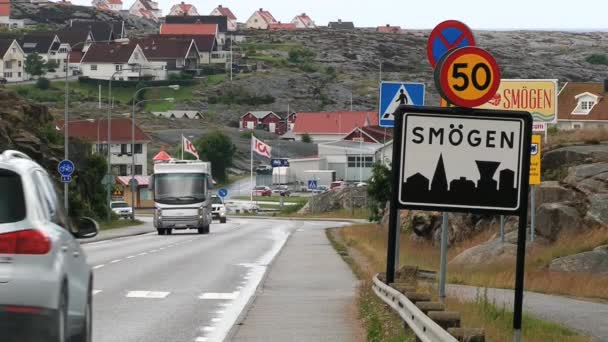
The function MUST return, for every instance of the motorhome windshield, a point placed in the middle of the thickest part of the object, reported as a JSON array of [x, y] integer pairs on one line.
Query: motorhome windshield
[[180, 188]]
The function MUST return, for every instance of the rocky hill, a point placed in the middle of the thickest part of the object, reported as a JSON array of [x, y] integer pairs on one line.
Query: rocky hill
[[56, 16]]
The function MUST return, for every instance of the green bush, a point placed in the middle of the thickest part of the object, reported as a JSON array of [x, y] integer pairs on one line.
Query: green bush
[[301, 55], [552, 130], [43, 83], [51, 134], [23, 91], [214, 69], [306, 138], [598, 59], [380, 181]]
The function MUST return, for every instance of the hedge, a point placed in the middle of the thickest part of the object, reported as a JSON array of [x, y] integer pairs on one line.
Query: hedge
[[133, 84]]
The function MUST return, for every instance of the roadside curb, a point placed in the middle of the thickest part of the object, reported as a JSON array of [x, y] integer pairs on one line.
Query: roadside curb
[[117, 236], [319, 219]]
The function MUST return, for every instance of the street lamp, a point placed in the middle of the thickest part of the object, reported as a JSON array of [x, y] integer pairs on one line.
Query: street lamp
[[132, 183]]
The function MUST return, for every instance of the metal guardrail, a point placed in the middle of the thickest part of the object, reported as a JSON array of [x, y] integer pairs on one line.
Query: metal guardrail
[[424, 327]]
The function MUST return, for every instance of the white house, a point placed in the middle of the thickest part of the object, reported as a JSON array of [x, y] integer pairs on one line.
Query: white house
[[108, 5], [183, 9], [13, 61], [5, 17], [331, 126], [120, 62], [146, 9], [96, 133], [583, 105], [260, 19], [303, 21], [226, 12], [48, 46], [180, 114]]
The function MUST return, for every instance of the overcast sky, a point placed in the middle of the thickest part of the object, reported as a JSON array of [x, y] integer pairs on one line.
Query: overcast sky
[[422, 14]]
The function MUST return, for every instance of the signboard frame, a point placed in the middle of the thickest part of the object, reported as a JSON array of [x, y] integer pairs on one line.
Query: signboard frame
[[469, 113]]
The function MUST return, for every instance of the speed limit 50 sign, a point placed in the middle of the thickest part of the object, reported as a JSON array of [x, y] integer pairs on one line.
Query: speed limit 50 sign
[[468, 77]]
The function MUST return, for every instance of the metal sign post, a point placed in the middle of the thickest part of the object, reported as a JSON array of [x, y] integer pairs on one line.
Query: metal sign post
[[462, 160], [444, 256]]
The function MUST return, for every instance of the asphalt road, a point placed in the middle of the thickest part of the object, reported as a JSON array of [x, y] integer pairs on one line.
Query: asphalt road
[[184, 287]]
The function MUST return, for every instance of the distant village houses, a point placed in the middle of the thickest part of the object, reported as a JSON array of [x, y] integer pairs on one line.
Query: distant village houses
[[583, 105], [261, 20], [389, 29], [226, 12], [341, 25], [183, 9], [108, 5], [147, 9], [303, 21]]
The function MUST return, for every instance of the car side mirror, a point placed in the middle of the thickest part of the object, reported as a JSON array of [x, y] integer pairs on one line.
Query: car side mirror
[[86, 228]]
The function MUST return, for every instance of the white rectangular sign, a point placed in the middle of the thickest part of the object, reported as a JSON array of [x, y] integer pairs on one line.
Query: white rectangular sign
[[462, 162]]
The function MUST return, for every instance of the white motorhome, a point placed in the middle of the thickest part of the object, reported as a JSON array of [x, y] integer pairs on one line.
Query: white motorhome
[[182, 197]]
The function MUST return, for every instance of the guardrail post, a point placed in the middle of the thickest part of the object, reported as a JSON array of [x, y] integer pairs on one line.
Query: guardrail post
[[468, 334], [426, 307], [445, 319], [416, 297]]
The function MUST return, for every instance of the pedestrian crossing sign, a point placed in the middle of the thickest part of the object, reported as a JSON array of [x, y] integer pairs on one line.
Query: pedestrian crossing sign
[[394, 94]]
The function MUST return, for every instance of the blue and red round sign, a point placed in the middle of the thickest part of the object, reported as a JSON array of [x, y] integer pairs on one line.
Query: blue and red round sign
[[447, 36]]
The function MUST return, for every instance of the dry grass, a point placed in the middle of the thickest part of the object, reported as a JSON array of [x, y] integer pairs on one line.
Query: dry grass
[[371, 241], [587, 136]]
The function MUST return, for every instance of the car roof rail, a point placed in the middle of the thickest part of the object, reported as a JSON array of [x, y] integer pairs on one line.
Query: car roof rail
[[10, 154]]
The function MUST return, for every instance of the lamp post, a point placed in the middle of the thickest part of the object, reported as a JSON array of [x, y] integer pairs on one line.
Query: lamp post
[[132, 183]]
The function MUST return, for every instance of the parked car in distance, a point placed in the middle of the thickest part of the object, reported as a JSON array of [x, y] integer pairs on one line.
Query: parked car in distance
[[282, 190], [337, 185], [262, 190], [361, 185], [263, 169], [218, 208], [122, 209], [46, 282]]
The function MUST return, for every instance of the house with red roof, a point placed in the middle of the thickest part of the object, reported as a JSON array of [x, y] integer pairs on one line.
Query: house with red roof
[[331, 126], [303, 21], [389, 29], [260, 20], [183, 9], [95, 132], [226, 12], [370, 134], [5, 16], [583, 105], [282, 26], [120, 62], [108, 5], [266, 120], [189, 29], [147, 9]]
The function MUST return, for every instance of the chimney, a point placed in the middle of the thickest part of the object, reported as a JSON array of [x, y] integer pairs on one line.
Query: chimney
[[339, 20], [388, 25], [606, 86], [261, 9], [220, 6]]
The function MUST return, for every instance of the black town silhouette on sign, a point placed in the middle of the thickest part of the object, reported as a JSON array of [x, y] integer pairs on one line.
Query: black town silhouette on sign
[[487, 192]]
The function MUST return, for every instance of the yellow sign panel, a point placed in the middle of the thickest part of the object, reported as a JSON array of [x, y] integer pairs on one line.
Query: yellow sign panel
[[535, 160], [539, 97]]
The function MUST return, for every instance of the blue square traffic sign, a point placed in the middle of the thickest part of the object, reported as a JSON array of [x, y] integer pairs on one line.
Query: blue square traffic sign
[[394, 94]]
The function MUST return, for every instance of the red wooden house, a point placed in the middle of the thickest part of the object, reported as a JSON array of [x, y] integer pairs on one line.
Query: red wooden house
[[265, 120]]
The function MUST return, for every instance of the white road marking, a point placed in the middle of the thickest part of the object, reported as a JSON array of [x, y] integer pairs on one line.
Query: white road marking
[[208, 329], [300, 230], [239, 287], [153, 251], [215, 320], [131, 257], [226, 305], [98, 266], [162, 248], [96, 292], [147, 294], [220, 296], [144, 253], [115, 261], [201, 339], [220, 312]]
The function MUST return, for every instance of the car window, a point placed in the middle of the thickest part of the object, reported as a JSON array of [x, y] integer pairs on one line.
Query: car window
[[120, 205], [216, 200], [50, 198], [12, 201]]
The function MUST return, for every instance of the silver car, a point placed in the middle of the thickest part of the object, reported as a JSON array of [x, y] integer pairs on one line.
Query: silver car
[[45, 281]]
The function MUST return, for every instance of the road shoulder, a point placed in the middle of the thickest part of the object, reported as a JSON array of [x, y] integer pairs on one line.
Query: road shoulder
[[308, 295]]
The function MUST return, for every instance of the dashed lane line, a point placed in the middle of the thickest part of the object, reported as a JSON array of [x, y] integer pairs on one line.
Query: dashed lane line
[[115, 261], [200, 339], [148, 294], [220, 296], [98, 266], [96, 292]]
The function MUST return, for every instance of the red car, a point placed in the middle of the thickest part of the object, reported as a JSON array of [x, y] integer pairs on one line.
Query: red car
[[262, 191]]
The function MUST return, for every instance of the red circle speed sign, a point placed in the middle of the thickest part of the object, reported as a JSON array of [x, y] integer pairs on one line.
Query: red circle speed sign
[[469, 77]]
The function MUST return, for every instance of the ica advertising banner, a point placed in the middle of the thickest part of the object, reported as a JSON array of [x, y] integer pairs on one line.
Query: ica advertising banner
[[539, 97]]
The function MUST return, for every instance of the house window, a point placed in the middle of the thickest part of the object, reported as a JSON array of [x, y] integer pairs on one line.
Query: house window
[[139, 170], [19, 74], [138, 149], [352, 161], [19, 64], [14, 50], [577, 125], [124, 149], [358, 140], [118, 67], [8, 65], [8, 75], [122, 170], [93, 67], [587, 105], [360, 161]]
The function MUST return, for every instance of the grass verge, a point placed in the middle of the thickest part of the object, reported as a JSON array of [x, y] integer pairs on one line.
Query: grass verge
[[369, 241], [105, 225]]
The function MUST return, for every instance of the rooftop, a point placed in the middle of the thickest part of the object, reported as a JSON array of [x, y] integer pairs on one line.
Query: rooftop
[[333, 122], [88, 130], [109, 53], [189, 29]]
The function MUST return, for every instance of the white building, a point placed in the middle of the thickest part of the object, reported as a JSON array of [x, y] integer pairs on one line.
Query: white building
[[303, 21], [120, 62], [13, 61], [183, 9], [352, 161], [5, 17], [108, 5], [146, 9], [48, 46], [226, 12], [96, 133], [260, 19]]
